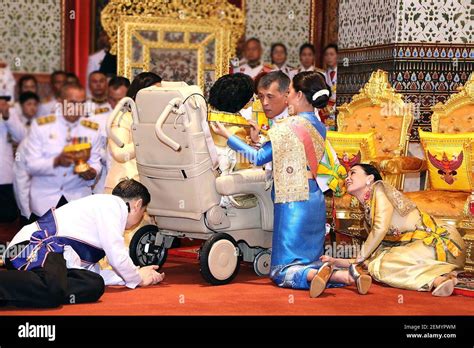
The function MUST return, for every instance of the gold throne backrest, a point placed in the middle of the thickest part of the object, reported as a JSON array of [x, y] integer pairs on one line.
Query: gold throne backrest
[[180, 40], [456, 115], [378, 107]]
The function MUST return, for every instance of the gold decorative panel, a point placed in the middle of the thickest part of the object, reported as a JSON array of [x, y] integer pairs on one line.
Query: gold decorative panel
[[179, 40]]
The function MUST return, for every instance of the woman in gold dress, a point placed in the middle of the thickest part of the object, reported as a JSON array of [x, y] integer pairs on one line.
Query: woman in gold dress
[[405, 247]]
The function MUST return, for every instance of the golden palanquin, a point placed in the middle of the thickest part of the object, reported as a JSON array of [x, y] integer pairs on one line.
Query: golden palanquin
[[456, 116]]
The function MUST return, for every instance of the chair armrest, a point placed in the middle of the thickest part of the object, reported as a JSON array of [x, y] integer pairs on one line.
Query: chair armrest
[[400, 164], [249, 181]]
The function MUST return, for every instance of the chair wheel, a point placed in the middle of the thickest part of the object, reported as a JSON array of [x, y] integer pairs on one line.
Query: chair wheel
[[261, 264], [219, 259], [143, 250]]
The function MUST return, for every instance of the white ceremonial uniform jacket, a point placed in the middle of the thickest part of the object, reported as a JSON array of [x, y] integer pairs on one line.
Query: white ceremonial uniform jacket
[[47, 138], [286, 69], [300, 69], [48, 107], [99, 112], [252, 72], [10, 130], [97, 220], [21, 179]]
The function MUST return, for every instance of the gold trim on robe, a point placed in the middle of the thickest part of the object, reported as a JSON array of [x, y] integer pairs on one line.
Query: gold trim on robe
[[289, 159]]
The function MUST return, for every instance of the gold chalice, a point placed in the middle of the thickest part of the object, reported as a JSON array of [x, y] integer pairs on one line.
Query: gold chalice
[[81, 154]]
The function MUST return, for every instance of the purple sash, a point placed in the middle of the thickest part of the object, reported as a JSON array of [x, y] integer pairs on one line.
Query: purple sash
[[45, 241]]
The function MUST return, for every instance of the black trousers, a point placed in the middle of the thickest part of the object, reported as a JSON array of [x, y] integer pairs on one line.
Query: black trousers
[[49, 286], [9, 211]]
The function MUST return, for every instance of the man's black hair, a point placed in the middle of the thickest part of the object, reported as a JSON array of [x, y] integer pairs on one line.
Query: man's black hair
[[278, 44], [142, 80], [56, 73], [129, 189], [25, 78], [71, 75], [275, 76], [97, 72], [253, 39], [307, 45], [24, 97], [231, 92], [119, 81], [331, 45]]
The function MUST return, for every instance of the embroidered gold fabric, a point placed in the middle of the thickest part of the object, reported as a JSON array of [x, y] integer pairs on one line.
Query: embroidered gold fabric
[[289, 160]]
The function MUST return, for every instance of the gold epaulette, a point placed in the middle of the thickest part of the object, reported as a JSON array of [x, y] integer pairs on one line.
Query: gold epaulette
[[45, 119], [101, 110], [90, 124]]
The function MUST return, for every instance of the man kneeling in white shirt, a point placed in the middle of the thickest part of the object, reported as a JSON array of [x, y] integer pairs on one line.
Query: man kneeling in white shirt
[[54, 261]]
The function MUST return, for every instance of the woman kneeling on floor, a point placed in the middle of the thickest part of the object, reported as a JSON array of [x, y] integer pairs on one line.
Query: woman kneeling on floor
[[405, 248]]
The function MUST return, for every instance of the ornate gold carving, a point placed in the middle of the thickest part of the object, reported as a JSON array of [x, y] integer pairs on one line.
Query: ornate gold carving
[[220, 23], [464, 97], [184, 11], [378, 92]]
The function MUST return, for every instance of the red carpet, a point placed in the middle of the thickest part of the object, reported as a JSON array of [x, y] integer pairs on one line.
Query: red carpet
[[184, 292]]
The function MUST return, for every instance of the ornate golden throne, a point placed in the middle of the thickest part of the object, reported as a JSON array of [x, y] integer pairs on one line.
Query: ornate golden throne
[[455, 116], [380, 110], [190, 41]]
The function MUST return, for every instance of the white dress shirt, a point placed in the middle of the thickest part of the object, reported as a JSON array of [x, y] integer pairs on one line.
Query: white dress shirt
[[98, 220]]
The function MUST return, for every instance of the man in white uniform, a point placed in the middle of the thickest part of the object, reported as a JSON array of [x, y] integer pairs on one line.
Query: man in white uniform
[[99, 110], [330, 62], [22, 181], [57, 256], [49, 105], [253, 57], [279, 56], [53, 181], [11, 130]]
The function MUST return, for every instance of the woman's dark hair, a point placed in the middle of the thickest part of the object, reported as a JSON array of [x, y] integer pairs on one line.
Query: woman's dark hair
[[369, 170], [230, 93], [309, 83], [142, 80], [274, 46], [129, 189], [307, 45]]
